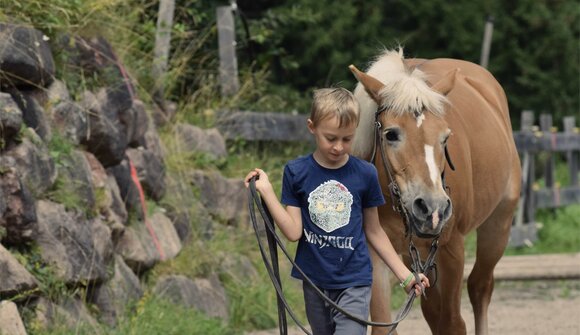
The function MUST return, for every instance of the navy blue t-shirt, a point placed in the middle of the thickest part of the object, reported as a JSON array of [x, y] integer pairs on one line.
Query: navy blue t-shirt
[[332, 250]]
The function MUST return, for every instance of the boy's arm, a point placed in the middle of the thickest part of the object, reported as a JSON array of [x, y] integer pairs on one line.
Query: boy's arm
[[380, 242], [288, 219]]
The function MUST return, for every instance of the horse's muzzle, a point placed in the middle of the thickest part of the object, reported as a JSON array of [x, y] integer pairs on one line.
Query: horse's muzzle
[[429, 215]]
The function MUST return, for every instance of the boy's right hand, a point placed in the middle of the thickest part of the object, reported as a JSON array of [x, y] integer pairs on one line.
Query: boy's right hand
[[262, 180]]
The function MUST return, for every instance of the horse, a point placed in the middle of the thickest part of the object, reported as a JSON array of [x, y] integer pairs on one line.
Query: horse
[[432, 116]]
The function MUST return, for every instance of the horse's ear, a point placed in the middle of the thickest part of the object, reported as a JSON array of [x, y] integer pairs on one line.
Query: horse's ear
[[445, 84], [371, 84]]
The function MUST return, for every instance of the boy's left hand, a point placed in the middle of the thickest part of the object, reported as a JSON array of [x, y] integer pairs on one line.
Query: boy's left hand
[[419, 287]]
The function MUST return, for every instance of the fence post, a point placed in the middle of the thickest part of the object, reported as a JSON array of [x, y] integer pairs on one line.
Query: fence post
[[486, 44], [162, 46], [524, 230], [548, 131], [228, 70], [573, 157]]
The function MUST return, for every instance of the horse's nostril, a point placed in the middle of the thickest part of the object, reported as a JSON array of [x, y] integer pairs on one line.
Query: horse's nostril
[[420, 207], [448, 209]]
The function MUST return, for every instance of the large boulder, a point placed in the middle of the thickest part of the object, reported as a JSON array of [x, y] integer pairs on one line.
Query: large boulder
[[114, 297], [25, 57], [106, 137], [75, 178], [34, 163], [97, 59], [204, 294], [194, 139], [75, 248], [225, 198], [143, 244]]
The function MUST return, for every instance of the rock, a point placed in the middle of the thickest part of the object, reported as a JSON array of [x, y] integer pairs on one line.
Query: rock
[[206, 295], [17, 205], [115, 296], [106, 137], [143, 244], [150, 171], [25, 57], [67, 242], [194, 139], [31, 104], [224, 198], [34, 163], [14, 278], [10, 321], [10, 118]]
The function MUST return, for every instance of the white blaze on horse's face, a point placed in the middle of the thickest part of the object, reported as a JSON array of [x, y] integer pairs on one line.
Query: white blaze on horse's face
[[431, 165]]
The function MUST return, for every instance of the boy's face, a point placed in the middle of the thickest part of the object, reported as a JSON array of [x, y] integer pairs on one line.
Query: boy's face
[[333, 143]]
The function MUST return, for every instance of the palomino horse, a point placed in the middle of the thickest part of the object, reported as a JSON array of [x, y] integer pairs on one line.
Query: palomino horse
[[424, 108]]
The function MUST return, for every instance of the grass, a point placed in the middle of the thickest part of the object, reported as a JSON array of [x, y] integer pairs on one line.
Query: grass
[[558, 232]]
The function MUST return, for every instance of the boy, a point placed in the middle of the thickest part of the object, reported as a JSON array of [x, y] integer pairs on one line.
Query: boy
[[331, 203]]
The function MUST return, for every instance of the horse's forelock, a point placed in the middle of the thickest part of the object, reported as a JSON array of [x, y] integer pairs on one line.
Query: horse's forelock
[[405, 91], [409, 93]]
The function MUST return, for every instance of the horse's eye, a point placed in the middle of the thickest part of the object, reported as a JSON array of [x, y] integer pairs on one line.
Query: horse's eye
[[392, 136]]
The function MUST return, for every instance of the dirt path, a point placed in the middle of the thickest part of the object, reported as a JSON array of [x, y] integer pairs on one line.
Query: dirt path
[[517, 308]]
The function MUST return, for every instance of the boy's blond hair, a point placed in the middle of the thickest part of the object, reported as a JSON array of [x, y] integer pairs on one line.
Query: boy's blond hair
[[335, 102]]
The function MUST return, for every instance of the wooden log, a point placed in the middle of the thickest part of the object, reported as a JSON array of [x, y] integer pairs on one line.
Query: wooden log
[[257, 126]]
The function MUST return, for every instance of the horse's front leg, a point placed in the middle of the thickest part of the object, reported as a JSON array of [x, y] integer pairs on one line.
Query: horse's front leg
[[381, 294], [442, 308]]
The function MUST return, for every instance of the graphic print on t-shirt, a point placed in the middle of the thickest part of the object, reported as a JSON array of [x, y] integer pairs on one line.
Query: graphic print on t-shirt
[[329, 205]]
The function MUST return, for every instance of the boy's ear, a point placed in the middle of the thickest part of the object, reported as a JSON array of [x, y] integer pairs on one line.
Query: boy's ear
[[310, 125], [372, 85]]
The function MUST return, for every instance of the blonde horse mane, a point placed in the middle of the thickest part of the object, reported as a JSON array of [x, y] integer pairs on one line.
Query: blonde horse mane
[[405, 91]]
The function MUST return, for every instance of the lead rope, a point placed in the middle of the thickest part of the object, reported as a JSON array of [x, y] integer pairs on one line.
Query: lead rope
[[255, 201]]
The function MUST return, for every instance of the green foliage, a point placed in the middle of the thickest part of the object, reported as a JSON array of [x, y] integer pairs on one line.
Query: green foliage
[[59, 147], [49, 283], [157, 316], [534, 52], [63, 192], [557, 233]]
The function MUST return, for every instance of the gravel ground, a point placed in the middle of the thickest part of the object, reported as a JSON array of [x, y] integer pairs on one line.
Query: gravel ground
[[517, 308]]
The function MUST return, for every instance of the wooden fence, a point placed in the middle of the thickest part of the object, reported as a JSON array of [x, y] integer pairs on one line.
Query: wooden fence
[[538, 148]]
